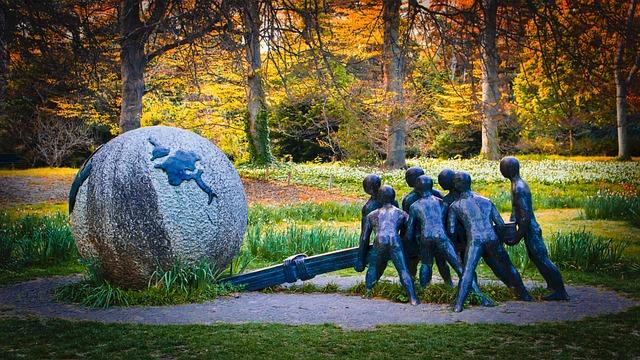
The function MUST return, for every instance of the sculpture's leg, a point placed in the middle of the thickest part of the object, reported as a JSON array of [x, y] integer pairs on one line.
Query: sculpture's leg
[[474, 252], [412, 265], [426, 255], [540, 257], [500, 271], [397, 256], [447, 248], [443, 269], [377, 264], [498, 260]]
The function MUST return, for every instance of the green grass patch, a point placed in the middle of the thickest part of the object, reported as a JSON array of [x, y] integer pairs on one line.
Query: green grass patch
[[267, 243], [304, 212], [179, 285], [35, 240], [614, 206], [612, 336], [437, 293]]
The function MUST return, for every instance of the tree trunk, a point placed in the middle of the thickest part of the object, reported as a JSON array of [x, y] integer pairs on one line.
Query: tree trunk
[[394, 71], [257, 125], [491, 111], [132, 63], [621, 85], [4, 54]]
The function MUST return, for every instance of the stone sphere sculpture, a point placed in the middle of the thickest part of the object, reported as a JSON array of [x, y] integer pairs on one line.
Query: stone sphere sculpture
[[152, 197]]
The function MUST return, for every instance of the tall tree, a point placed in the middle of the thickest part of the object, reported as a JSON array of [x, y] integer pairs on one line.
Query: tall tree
[[627, 43], [175, 25], [598, 35], [257, 125], [491, 112], [4, 50], [394, 70]]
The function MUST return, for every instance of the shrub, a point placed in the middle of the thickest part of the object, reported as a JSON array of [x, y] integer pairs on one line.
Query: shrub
[[35, 239], [182, 283], [615, 206], [584, 251]]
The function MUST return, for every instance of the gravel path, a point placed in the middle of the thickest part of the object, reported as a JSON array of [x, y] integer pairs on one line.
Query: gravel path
[[22, 190], [350, 312]]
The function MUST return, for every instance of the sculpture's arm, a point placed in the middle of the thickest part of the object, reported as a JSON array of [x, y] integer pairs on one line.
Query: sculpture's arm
[[451, 221], [409, 235], [523, 212], [512, 218], [403, 224], [363, 248], [495, 216], [437, 194], [405, 204]]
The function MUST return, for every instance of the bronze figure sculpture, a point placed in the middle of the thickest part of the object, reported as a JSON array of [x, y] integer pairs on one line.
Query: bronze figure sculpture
[[410, 245], [426, 225], [529, 229], [387, 222], [478, 215]]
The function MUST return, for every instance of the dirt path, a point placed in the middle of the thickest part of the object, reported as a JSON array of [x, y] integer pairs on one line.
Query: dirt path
[[350, 312], [22, 190]]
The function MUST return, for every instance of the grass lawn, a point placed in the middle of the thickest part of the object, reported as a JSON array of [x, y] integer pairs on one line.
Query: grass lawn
[[610, 336], [614, 336]]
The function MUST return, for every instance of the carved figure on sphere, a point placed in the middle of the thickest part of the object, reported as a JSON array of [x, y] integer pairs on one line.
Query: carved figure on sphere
[[387, 222], [410, 245], [478, 216], [529, 229]]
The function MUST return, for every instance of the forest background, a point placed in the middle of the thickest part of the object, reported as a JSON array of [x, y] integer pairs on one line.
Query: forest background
[[312, 80]]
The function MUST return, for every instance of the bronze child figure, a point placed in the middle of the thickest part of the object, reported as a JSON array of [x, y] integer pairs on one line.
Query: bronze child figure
[[387, 222], [426, 220], [478, 216], [410, 245], [529, 229]]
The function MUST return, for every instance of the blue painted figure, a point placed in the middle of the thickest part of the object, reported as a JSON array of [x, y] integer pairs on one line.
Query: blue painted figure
[[180, 167], [478, 215], [410, 245], [371, 185], [445, 179], [387, 223], [529, 229]]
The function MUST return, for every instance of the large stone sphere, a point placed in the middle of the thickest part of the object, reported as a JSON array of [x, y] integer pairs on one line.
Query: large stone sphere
[[154, 196]]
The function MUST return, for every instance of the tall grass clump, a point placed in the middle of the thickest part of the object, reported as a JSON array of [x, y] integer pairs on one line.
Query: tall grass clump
[[614, 206], [35, 239], [330, 211], [182, 283], [275, 245], [581, 250]]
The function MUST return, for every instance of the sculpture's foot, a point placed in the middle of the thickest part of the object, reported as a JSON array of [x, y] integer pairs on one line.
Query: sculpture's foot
[[487, 301], [557, 296], [368, 294], [526, 296], [457, 308], [414, 302], [424, 284]]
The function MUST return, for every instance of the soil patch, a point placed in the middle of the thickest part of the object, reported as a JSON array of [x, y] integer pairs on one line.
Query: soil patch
[[25, 190]]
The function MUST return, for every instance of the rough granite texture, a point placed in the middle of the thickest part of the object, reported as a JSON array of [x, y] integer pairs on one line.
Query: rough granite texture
[[132, 220], [349, 312]]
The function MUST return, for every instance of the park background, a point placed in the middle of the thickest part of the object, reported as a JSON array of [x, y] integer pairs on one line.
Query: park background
[[306, 98]]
